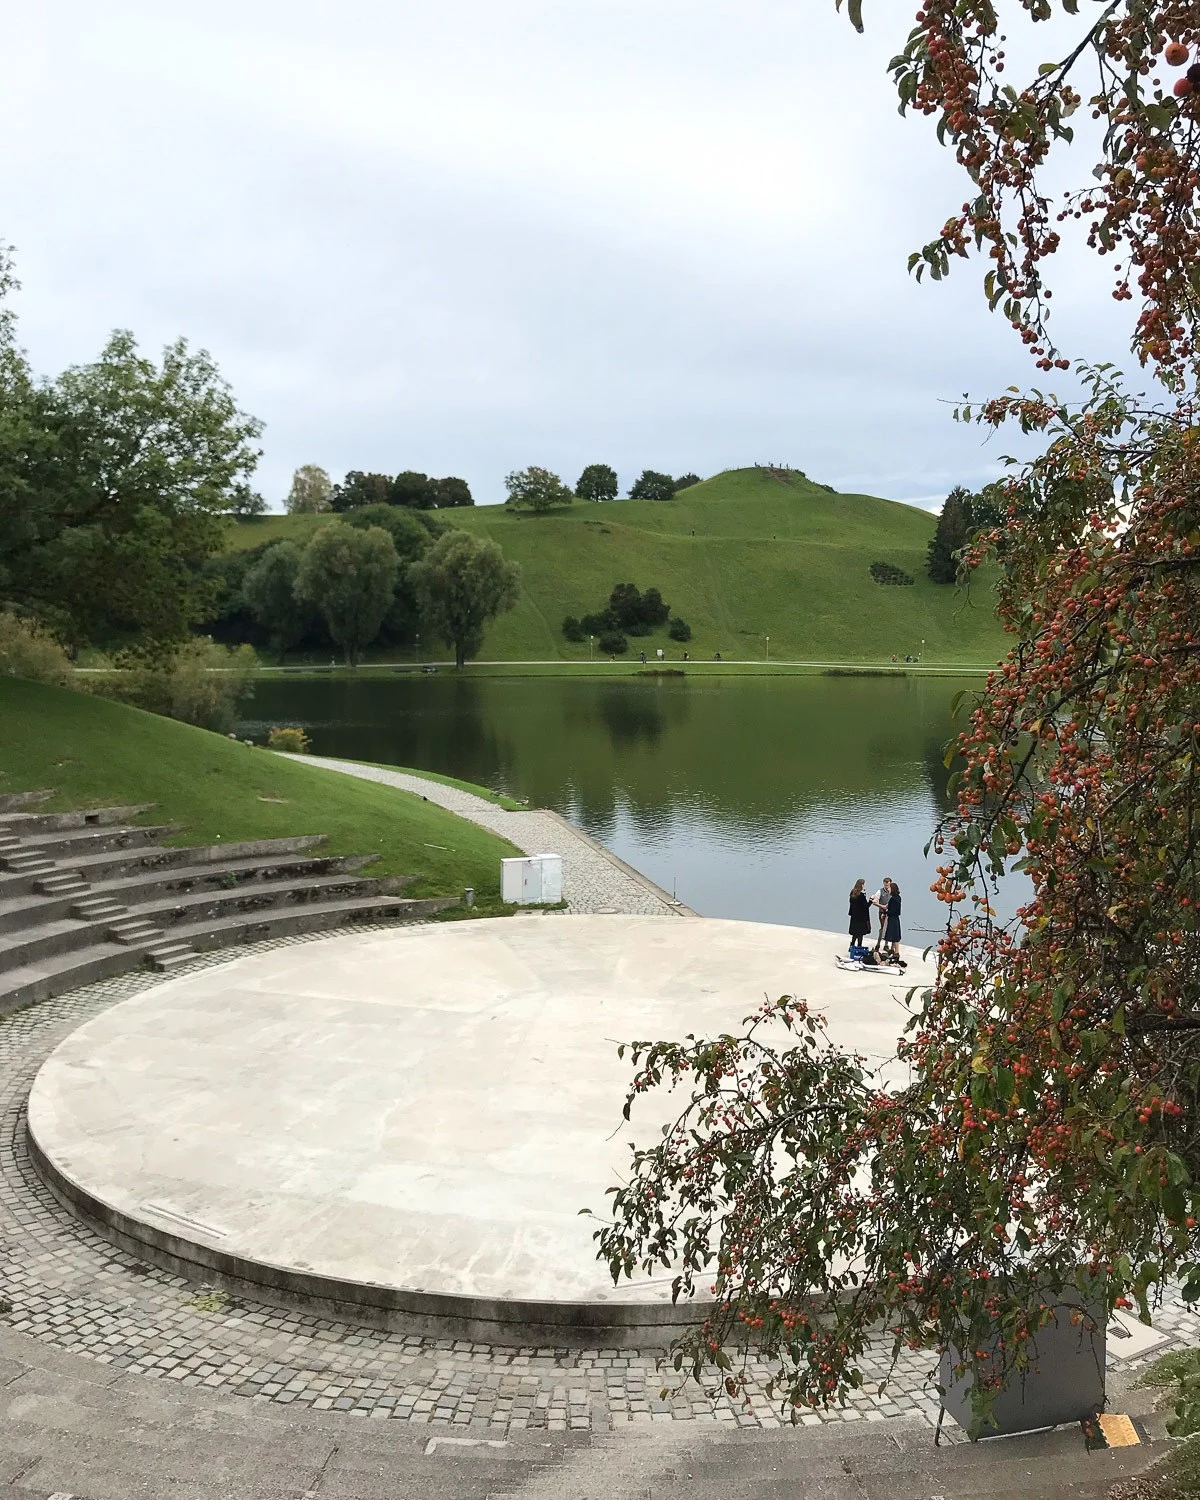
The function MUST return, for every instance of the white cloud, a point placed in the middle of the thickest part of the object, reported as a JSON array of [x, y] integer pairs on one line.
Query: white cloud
[[467, 236]]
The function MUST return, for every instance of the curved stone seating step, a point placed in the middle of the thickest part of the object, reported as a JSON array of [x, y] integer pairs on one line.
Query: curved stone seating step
[[17, 801], [111, 864], [135, 925], [61, 972], [176, 877], [78, 843], [29, 825]]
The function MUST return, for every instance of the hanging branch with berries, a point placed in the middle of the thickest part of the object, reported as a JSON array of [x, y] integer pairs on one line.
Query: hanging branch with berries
[[1046, 1137]]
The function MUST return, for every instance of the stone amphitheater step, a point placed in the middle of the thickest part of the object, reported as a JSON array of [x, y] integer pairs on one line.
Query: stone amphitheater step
[[65, 883], [176, 877], [58, 972], [26, 861], [160, 918], [29, 825], [97, 909], [75, 843], [134, 931], [15, 801], [112, 864]]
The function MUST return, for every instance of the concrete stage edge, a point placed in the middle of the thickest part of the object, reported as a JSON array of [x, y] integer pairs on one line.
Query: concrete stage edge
[[400, 1128]]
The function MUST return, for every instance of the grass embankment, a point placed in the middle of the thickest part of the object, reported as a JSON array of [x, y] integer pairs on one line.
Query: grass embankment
[[95, 752], [740, 557]]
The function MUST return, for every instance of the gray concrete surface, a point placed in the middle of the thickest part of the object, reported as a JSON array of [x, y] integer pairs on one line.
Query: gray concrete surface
[[426, 1109]]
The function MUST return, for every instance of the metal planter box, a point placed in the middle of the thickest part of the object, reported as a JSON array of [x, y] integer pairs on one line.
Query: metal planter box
[[533, 881], [1066, 1386]]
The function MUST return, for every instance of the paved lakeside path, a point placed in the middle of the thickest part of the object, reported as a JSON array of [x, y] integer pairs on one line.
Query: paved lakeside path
[[594, 879]]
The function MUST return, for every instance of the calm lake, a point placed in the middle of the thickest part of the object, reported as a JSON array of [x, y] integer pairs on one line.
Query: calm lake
[[761, 798]]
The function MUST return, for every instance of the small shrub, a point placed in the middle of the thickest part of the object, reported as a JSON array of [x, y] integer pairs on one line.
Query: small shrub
[[28, 650], [883, 572], [573, 628], [679, 630], [613, 643], [290, 737]]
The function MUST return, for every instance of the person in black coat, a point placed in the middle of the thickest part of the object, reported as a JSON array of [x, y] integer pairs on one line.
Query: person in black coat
[[860, 914], [891, 936]]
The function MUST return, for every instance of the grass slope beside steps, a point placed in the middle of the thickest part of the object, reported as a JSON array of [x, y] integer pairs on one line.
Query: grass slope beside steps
[[95, 752]]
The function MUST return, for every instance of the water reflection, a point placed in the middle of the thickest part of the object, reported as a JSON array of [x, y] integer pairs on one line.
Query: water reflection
[[752, 797]]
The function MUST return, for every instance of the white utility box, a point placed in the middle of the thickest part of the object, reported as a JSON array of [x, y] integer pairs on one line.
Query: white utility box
[[534, 880]]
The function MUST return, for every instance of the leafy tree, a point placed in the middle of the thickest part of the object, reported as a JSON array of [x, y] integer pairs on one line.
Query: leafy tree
[[412, 537], [450, 492], [950, 536], [685, 482], [573, 628], [413, 489], [409, 537], [311, 492], [269, 590], [597, 482], [350, 576], [247, 504], [598, 623], [358, 489], [536, 488], [652, 486], [613, 643], [679, 630], [1045, 1138], [120, 488], [461, 584], [197, 681]]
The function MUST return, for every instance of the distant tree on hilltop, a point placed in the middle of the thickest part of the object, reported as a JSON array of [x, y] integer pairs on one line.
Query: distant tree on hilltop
[[415, 490], [651, 485], [451, 492], [536, 488], [685, 482], [361, 489], [597, 482]]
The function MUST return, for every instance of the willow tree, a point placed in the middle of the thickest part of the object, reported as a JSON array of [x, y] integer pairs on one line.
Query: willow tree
[[1048, 1138]]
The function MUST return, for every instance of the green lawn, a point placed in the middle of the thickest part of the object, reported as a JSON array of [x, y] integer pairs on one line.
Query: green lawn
[[95, 752], [768, 558]]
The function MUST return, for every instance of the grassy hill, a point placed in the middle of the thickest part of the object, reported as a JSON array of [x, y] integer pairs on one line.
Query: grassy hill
[[740, 556], [95, 752]]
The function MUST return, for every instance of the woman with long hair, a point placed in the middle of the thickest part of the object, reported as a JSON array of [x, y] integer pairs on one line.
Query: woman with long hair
[[860, 916]]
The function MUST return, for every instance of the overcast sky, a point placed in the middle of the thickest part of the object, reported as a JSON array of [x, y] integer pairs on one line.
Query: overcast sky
[[463, 236]]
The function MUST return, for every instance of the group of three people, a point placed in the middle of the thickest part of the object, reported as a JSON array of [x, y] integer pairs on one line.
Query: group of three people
[[886, 902]]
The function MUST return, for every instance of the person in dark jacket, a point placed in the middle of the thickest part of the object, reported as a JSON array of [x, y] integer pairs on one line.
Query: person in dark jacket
[[891, 936], [860, 916]]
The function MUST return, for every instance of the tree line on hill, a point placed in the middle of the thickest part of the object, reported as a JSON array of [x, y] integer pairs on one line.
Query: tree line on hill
[[375, 575], [537, 489], [312, 491]]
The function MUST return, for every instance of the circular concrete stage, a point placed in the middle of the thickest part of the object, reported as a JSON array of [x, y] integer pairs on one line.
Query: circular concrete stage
[[401, 1127]]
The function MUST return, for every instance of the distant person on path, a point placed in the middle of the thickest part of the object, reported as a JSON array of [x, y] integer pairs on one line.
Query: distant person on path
[[891, 935], [643, 658], [880, 902], [860, 917]]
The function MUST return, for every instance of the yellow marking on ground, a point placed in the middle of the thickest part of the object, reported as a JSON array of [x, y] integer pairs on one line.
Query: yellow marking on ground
[[1118, 1430]]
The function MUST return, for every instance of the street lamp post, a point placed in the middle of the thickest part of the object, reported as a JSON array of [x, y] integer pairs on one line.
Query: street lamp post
[[768, 648], [591, 648], [418, 647]]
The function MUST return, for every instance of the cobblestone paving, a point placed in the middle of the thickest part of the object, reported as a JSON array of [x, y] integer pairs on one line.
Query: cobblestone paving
[[70, 1288], [593, 881]]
